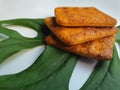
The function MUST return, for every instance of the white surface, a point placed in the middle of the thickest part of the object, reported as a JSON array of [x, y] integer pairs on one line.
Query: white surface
[[10, 9]]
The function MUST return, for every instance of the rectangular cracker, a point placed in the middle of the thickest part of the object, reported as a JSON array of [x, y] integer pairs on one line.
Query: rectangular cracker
[[83, 16], [77, 35], [98, 49]]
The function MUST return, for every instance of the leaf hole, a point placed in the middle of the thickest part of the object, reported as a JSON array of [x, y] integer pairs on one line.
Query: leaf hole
[[3, 37], [24, 31], [20, 61]]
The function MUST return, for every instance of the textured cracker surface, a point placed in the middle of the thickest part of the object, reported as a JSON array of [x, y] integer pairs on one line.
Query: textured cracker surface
[[77, 35], [99, 49], [83, 16]]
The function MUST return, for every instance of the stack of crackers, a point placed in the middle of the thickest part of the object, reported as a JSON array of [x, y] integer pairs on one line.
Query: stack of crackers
[[85, 31]]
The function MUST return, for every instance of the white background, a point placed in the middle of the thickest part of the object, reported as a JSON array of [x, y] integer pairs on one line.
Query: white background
[[10, 9]]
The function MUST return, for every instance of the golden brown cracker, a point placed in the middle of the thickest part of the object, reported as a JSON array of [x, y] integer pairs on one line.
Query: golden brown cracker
[[77, 35], [83, 16], [98, 49]]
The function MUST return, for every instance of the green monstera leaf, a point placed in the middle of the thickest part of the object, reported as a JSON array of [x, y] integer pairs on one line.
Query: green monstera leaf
[[53, 68]]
